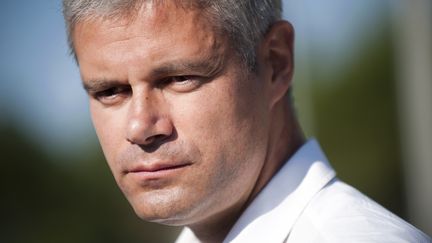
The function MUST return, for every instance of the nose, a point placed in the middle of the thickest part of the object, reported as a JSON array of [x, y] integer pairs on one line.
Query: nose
[[147, 123]]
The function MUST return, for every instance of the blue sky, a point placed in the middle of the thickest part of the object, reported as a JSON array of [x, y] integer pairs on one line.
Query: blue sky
[[40, 84]]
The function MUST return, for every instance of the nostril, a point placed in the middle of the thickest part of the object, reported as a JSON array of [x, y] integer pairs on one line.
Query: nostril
[[153, 143], [156, 138], [149, 140]]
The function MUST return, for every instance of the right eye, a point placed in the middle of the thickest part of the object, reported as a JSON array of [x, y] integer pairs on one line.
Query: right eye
[[112, 95]]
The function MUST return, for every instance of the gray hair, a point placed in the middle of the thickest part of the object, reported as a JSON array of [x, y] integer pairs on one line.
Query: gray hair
[[245, 22]]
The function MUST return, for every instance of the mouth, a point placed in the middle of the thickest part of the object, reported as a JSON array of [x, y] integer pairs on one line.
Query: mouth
[[157, 170]]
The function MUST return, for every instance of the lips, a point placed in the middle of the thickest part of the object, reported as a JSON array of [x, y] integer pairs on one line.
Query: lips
[[156, 170], [155, 167]]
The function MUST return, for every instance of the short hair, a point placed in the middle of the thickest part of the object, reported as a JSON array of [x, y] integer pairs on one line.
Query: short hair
[[245, 22]]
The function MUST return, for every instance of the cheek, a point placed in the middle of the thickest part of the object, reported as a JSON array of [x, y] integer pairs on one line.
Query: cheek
[[224, 121], [108, 129]]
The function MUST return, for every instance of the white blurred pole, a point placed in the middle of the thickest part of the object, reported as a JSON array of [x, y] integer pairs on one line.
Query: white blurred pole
[[413, 39]]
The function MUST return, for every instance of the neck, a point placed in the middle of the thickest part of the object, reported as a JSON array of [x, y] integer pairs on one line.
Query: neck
[[285, 139]]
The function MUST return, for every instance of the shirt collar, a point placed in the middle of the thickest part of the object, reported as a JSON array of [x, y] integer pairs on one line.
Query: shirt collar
[[272, 214]]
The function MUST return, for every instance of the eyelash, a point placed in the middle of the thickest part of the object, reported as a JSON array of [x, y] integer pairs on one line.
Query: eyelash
[[111, 92], [177, 83], [176, 79], [182, 83]]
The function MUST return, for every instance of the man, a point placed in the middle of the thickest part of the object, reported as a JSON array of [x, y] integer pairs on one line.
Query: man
[[191, 104]]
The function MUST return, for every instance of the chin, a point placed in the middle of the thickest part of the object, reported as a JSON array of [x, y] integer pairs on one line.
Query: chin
[[159, 209], [167, 218]]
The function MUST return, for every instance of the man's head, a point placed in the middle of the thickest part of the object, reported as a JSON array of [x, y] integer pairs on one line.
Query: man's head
[[192, 118]]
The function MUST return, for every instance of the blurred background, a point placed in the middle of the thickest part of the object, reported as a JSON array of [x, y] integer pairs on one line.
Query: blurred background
[[363, 88]]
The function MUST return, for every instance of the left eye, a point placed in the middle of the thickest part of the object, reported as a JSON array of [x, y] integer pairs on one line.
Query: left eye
[[180, 79], [181, 83]]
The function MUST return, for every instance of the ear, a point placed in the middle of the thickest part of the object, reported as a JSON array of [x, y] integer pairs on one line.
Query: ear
[[276, 60]]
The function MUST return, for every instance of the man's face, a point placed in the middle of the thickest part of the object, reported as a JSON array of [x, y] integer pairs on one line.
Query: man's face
[[184, 129]]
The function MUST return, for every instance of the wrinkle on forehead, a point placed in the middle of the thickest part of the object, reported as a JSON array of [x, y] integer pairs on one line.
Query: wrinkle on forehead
[[127, 12], [124, 16], [157, 35], [151, 15]]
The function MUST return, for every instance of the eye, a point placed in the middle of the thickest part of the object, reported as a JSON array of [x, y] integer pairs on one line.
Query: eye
[[183, 83], [181, 79], [112, 95]]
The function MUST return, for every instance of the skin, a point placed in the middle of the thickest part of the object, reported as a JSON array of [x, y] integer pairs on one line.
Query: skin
[[165, 88]]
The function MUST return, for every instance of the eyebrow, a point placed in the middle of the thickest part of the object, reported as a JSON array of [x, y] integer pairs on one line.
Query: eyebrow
[[210, 67], [96, 85]]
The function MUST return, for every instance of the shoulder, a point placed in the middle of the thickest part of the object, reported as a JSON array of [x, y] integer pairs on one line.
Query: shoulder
[[340, 213]]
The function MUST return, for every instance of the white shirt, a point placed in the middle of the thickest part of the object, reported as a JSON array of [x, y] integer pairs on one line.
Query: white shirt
[[305, 202]]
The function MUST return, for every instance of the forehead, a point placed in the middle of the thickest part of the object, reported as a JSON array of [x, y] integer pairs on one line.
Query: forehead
[[151, 14], [150, 33]]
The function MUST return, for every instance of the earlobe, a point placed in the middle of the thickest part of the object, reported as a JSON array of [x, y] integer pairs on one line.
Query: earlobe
[[278, 58]]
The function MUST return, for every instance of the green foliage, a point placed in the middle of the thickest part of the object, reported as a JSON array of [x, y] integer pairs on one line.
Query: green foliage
[[51, 201], [357, 122]]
